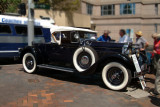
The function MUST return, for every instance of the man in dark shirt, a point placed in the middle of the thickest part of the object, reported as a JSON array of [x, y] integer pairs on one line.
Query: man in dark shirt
[[105, 37]]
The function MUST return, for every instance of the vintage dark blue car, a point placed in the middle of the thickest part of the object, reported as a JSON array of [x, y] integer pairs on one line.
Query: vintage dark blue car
[[76, 50]]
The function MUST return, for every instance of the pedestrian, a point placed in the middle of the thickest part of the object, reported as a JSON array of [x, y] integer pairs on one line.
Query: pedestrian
[[123, 37], [105, 37], [143, 44], [156, 50], [157, 80], [156, 47]]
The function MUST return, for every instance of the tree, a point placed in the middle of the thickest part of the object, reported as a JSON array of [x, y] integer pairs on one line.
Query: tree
[[63, 5], [9, 5]]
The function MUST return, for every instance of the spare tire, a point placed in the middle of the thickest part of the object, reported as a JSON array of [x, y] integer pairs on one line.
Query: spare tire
[[84, 57]]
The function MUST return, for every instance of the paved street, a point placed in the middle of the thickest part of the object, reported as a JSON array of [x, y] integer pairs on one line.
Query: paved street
[[49, 88]]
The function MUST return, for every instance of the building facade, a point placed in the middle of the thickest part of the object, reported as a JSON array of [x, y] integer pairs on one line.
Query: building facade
[[63, 18], [131, 15]]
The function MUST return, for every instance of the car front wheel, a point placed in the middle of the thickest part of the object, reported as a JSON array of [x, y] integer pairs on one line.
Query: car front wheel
[[115, 76], [29, 63]]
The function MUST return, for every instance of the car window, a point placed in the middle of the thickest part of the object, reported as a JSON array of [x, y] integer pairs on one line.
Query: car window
[[22, 30], [87, 35], [38, 31], [65, 37], [5, 29], [57, 35], [74, 37]]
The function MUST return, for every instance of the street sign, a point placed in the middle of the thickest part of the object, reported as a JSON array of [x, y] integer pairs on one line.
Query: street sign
[[42, 6]]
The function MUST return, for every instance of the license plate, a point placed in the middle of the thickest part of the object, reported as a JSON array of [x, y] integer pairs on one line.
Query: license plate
[[136, 64], [138, 70]]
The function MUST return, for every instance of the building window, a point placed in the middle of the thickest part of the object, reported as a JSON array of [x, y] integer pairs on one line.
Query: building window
[[89, 9], [107, 10], [156, 9], [156, 27], [127, 8]]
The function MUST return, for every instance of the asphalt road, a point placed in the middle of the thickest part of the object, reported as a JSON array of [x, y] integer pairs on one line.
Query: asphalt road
[[49, 88]]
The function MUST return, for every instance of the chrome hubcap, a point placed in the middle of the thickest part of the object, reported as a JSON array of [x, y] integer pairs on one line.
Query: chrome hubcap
[[85, 60], [115, 76], [30, 63]]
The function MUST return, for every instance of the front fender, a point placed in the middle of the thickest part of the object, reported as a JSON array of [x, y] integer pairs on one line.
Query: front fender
[[125, 60]]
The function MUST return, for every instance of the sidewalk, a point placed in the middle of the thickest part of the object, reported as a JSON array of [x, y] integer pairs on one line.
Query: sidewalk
[[50, 88]]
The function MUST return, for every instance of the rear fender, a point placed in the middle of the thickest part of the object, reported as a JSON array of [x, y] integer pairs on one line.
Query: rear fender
[[35, 51]]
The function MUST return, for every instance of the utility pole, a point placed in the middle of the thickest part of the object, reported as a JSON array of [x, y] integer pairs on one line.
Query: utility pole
[[30, 22]]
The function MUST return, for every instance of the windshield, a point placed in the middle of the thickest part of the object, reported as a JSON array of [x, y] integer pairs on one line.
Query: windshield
[[87, 35]]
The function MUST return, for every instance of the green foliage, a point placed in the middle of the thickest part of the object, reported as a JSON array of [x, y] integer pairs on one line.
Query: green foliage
[[62, 5], [65, 5], [9, 5]]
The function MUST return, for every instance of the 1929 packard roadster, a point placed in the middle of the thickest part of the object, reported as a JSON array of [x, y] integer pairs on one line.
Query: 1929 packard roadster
[[76, 51]]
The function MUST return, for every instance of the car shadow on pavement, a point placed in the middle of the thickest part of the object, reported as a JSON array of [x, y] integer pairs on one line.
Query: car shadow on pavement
[[73, 77], [155, 100], [94, 79], [9, 62]]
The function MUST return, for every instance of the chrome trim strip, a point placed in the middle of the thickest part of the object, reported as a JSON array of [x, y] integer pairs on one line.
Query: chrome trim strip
[[56, 68], [8, 51]]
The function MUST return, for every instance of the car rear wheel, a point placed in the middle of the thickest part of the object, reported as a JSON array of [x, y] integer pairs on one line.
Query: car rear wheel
[[84, 57], [115, 76], [29, 63]]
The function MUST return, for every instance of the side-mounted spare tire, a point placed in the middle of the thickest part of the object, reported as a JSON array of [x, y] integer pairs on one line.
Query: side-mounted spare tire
[[84, 57], [29, 63]]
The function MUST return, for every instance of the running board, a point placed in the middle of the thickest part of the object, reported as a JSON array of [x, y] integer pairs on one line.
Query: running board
[[56, 68]]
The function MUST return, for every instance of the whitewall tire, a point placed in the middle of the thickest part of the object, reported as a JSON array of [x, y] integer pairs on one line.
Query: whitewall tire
[[84, 57], [29, 63], [115, 76]]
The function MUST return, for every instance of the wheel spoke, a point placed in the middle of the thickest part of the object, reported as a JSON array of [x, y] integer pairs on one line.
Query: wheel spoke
[[115, 76], [29, 62]]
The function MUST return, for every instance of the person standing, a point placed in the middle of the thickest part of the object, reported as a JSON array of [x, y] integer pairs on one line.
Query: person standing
[[143, 44], [123, 37], [156, 47], [157, 80], [156, 62], [105, 37]]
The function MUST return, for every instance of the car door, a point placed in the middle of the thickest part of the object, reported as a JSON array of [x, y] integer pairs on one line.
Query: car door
[[62, 53]]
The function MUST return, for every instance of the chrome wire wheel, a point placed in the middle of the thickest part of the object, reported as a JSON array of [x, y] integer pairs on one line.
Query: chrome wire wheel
[[116, 76]]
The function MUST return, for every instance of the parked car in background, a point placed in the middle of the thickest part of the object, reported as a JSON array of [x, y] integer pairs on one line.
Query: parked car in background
[[13, 34], [77, 52]]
